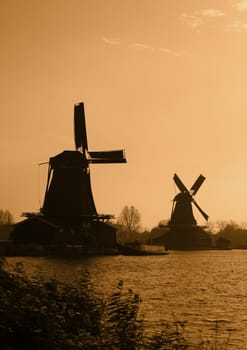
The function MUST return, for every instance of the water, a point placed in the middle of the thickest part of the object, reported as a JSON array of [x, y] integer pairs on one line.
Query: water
[[200, 287]]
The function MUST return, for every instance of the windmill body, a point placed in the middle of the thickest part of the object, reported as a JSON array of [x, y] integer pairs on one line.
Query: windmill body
[[68, 191], [69, 212], [182, 213]]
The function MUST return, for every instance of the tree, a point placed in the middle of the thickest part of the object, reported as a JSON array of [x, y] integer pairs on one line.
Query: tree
[[163, 222], [130, 219], [233, 232], [224, 225], [6, 218]]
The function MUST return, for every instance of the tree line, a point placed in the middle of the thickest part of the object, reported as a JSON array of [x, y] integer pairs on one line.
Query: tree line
[[129, 228]]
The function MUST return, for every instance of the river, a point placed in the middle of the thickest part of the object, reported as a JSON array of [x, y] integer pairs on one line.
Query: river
[[204, 288]]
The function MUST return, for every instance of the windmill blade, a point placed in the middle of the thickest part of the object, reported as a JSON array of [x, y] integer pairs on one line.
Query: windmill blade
[[80, 127], [107, 157], [197, 185], [179, 183], [200, 210]]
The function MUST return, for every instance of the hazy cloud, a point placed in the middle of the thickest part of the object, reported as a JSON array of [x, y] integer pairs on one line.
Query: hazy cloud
[[237, 26], [197, 18], [145, 47], [140, 46], [241, 5], [213, 13], [111, 41], [174, 53], [193, 20]]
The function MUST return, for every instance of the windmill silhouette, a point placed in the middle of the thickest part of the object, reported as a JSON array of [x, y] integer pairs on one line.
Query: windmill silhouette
[[182, 212], [182, 231], [69, 214], [68, 191]]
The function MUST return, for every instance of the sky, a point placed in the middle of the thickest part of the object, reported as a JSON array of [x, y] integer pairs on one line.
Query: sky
[[164, 80]]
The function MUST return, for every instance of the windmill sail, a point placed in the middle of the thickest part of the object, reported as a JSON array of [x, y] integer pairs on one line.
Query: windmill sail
[[197, 185], [80, 127], [179, 183], [117, 156], [200, 210]]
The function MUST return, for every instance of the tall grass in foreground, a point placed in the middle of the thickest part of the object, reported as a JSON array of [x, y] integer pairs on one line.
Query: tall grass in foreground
[[45, 314]]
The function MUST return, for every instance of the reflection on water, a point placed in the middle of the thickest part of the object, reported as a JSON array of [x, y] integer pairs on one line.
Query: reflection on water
[[199, 287]]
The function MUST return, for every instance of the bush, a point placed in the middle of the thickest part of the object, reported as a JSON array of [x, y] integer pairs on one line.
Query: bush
[[46, 314]]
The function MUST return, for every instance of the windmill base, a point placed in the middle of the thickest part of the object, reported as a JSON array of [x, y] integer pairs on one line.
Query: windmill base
[[184, 238], [89, 237]]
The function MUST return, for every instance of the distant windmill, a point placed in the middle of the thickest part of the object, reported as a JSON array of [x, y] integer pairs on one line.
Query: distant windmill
[[182, 231], [182, 213], [68, 191]]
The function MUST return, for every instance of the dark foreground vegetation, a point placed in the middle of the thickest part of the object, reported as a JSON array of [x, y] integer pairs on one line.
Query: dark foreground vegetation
[[37, 313]]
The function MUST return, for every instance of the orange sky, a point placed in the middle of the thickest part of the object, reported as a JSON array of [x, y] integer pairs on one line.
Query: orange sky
[[165, 80]]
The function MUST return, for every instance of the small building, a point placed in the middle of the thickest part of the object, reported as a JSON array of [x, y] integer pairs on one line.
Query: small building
[[184, 238], [38, 230], [223, 243]]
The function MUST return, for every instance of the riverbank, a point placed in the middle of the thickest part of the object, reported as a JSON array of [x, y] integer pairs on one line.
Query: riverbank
[[8, 249]]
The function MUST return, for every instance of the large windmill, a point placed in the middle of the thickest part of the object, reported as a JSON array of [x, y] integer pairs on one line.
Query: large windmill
[[68, 191], [69, 214], [182, 212]]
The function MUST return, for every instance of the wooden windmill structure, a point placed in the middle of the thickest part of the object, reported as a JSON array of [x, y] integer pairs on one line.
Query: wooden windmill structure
[[183, 232], [68, 191], [69, 214]]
